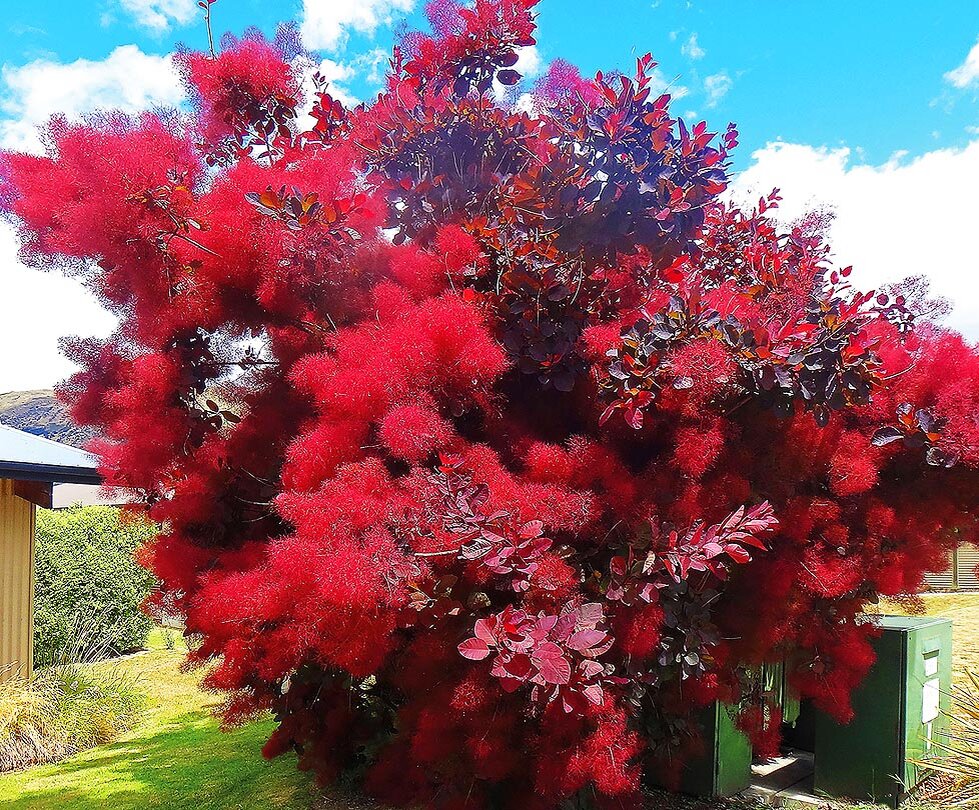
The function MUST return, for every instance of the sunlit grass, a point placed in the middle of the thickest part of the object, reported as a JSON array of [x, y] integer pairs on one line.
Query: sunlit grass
[[177, 758], [963, 610]]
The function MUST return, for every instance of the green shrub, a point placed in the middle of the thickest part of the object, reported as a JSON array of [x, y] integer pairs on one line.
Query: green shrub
[[87, 575], [63, 710]]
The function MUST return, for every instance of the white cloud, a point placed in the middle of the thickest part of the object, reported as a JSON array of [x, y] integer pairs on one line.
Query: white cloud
[[968, 72], [691, 49], [159, 15], [716, 86], [366, 66], [526, 103], [326, 23], [529, 65], [36, 309], [903, 218], [372, 66], [127, 80], [659, 84], [336, 74]]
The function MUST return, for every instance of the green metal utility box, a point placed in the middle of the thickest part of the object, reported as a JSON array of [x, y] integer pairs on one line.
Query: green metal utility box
[[725, 768], [899, 711]]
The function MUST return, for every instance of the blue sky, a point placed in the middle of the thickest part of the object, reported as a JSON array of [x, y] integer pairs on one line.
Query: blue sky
[[864, 74], [868, 107]]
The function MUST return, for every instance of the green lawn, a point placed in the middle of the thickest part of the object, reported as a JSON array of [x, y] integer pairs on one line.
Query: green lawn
[[179, 758]]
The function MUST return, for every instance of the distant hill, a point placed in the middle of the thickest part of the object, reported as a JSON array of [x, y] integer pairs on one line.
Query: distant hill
[[38, 412]]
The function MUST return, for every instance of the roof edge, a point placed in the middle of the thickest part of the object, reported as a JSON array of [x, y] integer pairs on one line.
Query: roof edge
[[54, 474]]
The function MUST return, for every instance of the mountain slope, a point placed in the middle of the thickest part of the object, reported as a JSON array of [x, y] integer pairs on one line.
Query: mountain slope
[[38, 412]]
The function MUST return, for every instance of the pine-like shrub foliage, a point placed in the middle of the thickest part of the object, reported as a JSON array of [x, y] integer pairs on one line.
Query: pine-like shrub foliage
[[89, 588], [489, 441]]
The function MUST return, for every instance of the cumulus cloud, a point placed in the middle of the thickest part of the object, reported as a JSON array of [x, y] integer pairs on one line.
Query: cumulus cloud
[[36, 309], [127, 80], [372, 66], [367, 66], [691, 48], [529, 65], [716, 86], [160, 15], [906, 217], [326, 23], [337, 74], [967, 73]]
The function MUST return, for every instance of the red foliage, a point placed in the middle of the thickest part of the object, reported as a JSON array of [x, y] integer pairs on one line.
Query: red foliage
[[469, 427]]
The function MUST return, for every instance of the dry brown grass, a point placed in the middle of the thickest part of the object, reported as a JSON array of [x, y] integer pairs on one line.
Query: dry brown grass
[[61, 711], [26, 716], [958, 785], [963, 610]]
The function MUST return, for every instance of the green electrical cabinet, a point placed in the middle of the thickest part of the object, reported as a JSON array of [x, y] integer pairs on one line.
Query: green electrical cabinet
[[899, 711], [725, 768]]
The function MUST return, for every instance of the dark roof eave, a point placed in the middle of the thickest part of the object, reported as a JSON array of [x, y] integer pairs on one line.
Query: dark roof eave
[[49, 473]]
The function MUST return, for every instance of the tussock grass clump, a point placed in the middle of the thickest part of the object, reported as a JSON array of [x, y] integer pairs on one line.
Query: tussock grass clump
[[62, 710], [958, 768]]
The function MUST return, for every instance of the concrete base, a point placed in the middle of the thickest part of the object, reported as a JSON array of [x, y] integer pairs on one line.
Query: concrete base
[[788, 777]]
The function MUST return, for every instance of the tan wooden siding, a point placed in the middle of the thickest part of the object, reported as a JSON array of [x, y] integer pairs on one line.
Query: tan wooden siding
[[16, 583], [968, 561], [942, 580], [961, 572]]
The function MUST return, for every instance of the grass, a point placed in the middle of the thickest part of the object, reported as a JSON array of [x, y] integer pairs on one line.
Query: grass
[[179, 757], [963, 610], [959, 767]]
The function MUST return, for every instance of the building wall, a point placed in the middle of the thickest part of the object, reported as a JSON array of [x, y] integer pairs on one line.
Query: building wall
[[961, 573], [16, 583]]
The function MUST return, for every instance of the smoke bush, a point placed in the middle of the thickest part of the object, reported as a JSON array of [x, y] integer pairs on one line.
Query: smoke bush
[[490, 444]]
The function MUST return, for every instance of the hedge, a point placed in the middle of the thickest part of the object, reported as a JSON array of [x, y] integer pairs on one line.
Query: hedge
[[89, 587]]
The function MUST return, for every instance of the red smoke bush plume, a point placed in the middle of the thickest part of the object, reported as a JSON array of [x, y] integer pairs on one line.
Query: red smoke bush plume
[[489, 443]]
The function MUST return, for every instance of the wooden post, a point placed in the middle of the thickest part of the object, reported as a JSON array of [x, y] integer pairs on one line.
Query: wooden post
[[16, 583]]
